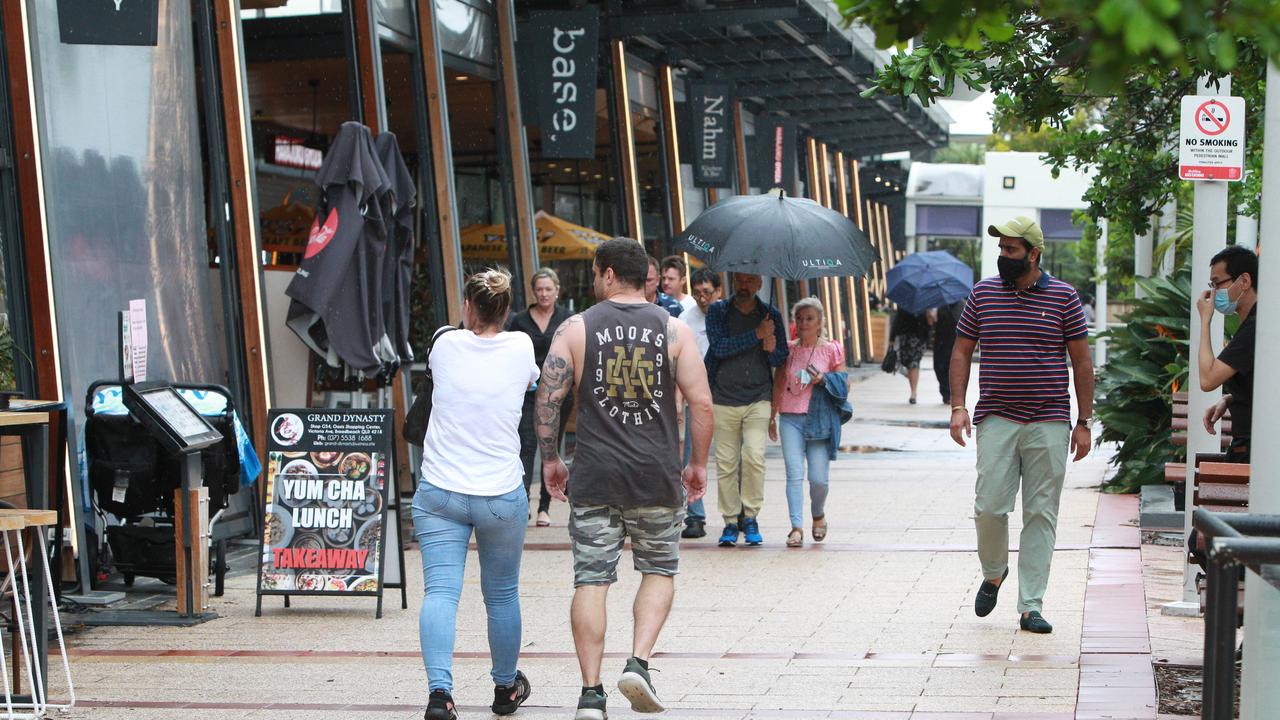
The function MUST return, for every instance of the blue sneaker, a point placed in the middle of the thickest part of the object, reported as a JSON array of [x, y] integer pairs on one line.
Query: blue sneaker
[[729, 537], [751, 532]]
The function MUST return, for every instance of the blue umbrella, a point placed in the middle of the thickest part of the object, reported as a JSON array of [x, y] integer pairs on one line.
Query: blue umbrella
[[927, 280]]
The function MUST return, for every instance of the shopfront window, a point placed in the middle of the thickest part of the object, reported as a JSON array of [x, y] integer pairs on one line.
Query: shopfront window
[[125, 201]]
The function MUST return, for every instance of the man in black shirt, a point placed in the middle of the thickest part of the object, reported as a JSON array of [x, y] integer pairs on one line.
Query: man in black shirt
[[1233, 282]]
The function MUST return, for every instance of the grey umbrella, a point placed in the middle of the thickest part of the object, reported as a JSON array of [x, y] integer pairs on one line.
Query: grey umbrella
[[778, 236]]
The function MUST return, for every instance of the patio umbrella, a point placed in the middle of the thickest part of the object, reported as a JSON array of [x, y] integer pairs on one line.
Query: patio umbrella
[[927, 280], [558, 239], [336, 307], [778, 236], [398, 263]]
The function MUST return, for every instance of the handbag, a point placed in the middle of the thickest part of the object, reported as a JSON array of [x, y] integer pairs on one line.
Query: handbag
[[890, 362], [415, 421]]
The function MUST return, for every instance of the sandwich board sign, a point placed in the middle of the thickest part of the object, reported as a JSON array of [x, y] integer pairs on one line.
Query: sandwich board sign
[[327, 500], [1211, 138]]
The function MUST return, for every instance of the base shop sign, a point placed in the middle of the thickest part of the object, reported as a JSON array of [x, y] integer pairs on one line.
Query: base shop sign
[[326, 502], [1211, 138]]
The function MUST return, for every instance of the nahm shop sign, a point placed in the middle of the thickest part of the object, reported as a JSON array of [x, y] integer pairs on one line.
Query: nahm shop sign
[[709, 104], [1211, 138]]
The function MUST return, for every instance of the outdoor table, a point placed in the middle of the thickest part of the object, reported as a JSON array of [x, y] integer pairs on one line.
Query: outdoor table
[[30, 599]]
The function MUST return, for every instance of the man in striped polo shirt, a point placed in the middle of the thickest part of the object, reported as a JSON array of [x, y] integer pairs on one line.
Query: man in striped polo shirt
[[1028, 324]]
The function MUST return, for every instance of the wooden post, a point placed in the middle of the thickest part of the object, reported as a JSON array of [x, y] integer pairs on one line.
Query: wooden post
[[193, 561], [675, 187], [863, 291], [813, 190], [28, 171], [369, 62], [631, 187], [517, 141], [740, 149], [441, 158], [244, 212], [854, 345]]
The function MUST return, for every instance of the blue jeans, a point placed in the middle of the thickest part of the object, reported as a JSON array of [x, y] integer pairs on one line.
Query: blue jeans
[[795, 452], [696, 511], [443, 521]]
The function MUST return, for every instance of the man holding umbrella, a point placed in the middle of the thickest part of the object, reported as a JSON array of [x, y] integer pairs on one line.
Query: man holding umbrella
[[752, 236], [1028, 324], [747, 341]]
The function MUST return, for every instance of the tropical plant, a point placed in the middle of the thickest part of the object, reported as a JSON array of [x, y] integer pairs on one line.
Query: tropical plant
[[1146, 364]]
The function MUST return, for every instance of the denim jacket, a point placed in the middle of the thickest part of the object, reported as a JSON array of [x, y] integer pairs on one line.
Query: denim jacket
[[829, 409]]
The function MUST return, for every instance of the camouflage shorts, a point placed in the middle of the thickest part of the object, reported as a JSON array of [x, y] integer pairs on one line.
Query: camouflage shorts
[[598, 531]]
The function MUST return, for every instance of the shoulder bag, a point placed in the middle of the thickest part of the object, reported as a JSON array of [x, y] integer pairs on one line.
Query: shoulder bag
[[415, 421]]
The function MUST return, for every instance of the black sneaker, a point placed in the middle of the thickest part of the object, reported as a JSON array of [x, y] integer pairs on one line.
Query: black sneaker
[[591, 705], [507, 700], [694, 529], [1034, 622], [440, 706], [636, 687], [988, 593]]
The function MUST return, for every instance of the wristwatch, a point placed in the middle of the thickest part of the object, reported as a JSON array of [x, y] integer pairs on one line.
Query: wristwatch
[[1084, 422]]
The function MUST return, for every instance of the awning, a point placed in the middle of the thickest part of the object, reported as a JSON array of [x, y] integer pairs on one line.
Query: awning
[[557, 240], [785, 57]]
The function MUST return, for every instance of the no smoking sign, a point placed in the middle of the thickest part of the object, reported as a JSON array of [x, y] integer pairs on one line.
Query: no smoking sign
[[1211, 141]]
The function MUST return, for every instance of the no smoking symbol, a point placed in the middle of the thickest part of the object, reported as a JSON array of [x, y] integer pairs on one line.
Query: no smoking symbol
[[1212, 118]]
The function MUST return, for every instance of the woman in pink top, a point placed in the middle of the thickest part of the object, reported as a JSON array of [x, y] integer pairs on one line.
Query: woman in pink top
[[812, 355]]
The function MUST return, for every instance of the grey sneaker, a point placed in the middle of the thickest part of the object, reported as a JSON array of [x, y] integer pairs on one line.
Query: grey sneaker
[[591, 706], [636, 687]]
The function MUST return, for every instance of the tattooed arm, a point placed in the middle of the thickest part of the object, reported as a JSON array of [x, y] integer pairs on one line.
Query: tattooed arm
[[557, 381]]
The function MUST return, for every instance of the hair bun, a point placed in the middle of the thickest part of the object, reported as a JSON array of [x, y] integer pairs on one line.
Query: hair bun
[[497, 281]]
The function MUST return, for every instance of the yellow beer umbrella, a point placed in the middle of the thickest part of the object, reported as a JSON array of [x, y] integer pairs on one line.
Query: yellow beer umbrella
[[558, 239]]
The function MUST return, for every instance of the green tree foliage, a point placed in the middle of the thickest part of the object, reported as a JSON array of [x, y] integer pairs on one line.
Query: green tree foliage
[[1109, 74], [1146, 364]]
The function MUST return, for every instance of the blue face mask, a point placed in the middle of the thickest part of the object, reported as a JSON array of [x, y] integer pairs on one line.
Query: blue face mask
[[1223, 303]]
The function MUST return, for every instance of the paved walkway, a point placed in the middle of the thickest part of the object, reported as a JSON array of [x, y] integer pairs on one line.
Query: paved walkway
[[876, 622]]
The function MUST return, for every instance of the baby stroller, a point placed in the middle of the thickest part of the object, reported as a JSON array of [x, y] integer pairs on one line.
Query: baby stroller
[[133, 478]]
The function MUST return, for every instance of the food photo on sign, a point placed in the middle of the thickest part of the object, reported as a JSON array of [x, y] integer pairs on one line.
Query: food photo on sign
[[324, 521]]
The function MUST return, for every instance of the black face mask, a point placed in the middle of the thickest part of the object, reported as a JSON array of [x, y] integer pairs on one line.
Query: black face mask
[[1011, 270]]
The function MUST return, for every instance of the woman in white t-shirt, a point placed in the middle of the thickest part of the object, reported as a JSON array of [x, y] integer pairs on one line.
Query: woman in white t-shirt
[[472, 480]]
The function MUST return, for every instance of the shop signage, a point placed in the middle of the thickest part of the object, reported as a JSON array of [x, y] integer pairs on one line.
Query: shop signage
[[290, 151], [108, 22], [138, 340], [709, 104], [775, 146], [326, 502], [563, 48], [1211, 138]]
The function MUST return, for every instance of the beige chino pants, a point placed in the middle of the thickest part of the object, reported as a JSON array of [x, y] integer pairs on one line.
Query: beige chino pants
[[1033, 456], [739, 440]]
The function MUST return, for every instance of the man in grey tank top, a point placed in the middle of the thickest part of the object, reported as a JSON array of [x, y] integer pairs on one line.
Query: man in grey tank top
[[625, 357]]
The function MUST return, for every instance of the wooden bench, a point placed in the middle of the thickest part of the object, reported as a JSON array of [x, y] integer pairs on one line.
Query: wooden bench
[[1176, 473], [1219, 487]]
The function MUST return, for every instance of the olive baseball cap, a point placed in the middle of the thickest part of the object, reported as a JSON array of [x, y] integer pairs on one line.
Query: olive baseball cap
[[1020, 227]]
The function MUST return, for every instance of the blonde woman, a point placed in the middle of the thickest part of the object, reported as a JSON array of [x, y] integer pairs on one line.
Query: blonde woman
[[472, 482], [809, 393], [540, 323]]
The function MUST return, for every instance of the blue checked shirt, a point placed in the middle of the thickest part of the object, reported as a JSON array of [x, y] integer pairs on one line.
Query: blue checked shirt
[[722, 345]]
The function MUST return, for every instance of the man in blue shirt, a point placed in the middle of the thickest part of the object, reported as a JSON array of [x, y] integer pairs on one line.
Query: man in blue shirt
[[657, 297], [747, 342]]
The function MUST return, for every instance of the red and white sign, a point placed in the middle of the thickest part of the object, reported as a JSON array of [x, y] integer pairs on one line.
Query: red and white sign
[[291, 152], [1211, 138]]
